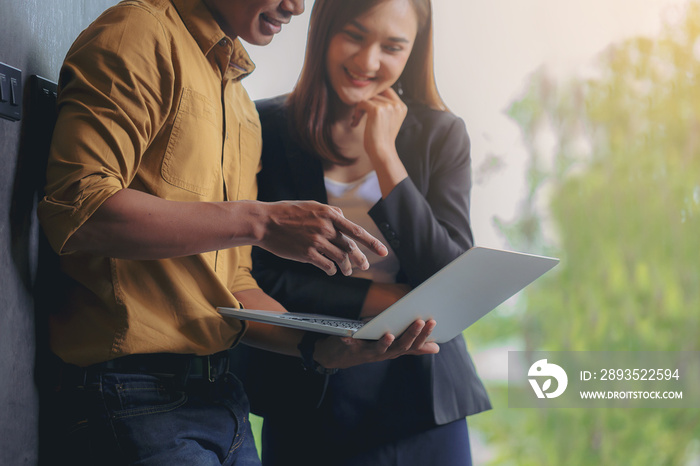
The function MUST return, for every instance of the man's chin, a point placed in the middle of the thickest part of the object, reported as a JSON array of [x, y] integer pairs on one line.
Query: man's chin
[[259, 39]]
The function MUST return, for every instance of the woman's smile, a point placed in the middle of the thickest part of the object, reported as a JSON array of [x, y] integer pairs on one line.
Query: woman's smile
[[359, 79]]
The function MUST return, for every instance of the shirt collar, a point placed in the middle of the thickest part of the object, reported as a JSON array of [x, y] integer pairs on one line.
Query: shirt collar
[[208, 35]]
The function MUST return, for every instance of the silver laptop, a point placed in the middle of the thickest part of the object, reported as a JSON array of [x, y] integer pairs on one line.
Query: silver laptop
[[458, 295]]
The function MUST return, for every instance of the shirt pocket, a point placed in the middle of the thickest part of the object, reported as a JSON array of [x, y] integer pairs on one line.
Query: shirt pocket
[[192, 160]]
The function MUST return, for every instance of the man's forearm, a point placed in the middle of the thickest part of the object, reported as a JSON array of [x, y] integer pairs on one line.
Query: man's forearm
[[332, 352], [264, 336], [135, 225]]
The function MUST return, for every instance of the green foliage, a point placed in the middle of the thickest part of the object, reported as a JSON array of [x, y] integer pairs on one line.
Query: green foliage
[[256, 423], [622, 186]]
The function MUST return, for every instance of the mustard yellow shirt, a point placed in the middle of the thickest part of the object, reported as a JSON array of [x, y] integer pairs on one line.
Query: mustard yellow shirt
[[150, 99]]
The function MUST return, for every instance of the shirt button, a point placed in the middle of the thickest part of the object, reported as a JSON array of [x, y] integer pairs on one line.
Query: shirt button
[[223, 42], [384, 227], [394, 243]]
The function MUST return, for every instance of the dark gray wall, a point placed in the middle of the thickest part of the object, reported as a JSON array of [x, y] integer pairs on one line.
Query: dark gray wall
[[34, 37]]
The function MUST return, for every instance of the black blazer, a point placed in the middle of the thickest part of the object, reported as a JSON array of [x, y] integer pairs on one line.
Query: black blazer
[[425, 220]]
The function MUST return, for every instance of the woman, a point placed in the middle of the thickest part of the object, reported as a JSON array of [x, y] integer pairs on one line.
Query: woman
[[397, 163]]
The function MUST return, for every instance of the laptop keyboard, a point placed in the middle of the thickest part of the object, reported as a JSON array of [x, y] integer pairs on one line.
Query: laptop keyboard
[[337, 323]]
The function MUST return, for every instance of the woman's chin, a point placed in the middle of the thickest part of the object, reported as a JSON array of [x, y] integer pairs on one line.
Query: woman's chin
[[352, 97]]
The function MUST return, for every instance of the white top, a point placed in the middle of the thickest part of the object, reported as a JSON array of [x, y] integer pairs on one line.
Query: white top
[[356, 199]]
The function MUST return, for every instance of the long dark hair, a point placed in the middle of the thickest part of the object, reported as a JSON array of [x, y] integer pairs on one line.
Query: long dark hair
[[308, 104]]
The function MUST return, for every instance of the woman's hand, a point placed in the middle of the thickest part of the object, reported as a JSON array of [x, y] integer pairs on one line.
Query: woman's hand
[[340, 353], [384, 114]]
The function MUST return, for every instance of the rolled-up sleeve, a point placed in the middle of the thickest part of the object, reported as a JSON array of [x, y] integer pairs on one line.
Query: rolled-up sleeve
[[243, 277], [111, 92]]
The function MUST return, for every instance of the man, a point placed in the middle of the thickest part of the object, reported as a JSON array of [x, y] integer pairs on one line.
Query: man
[[150, 202]]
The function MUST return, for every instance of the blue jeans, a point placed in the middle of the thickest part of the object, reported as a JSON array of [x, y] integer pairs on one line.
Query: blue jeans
[[152, 420]]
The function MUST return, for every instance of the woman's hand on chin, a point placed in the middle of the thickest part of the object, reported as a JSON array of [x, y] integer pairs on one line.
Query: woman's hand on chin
[[385, 113]]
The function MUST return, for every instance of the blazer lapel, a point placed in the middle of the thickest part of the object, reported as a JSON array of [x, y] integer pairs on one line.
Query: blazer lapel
[[306, 171]]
